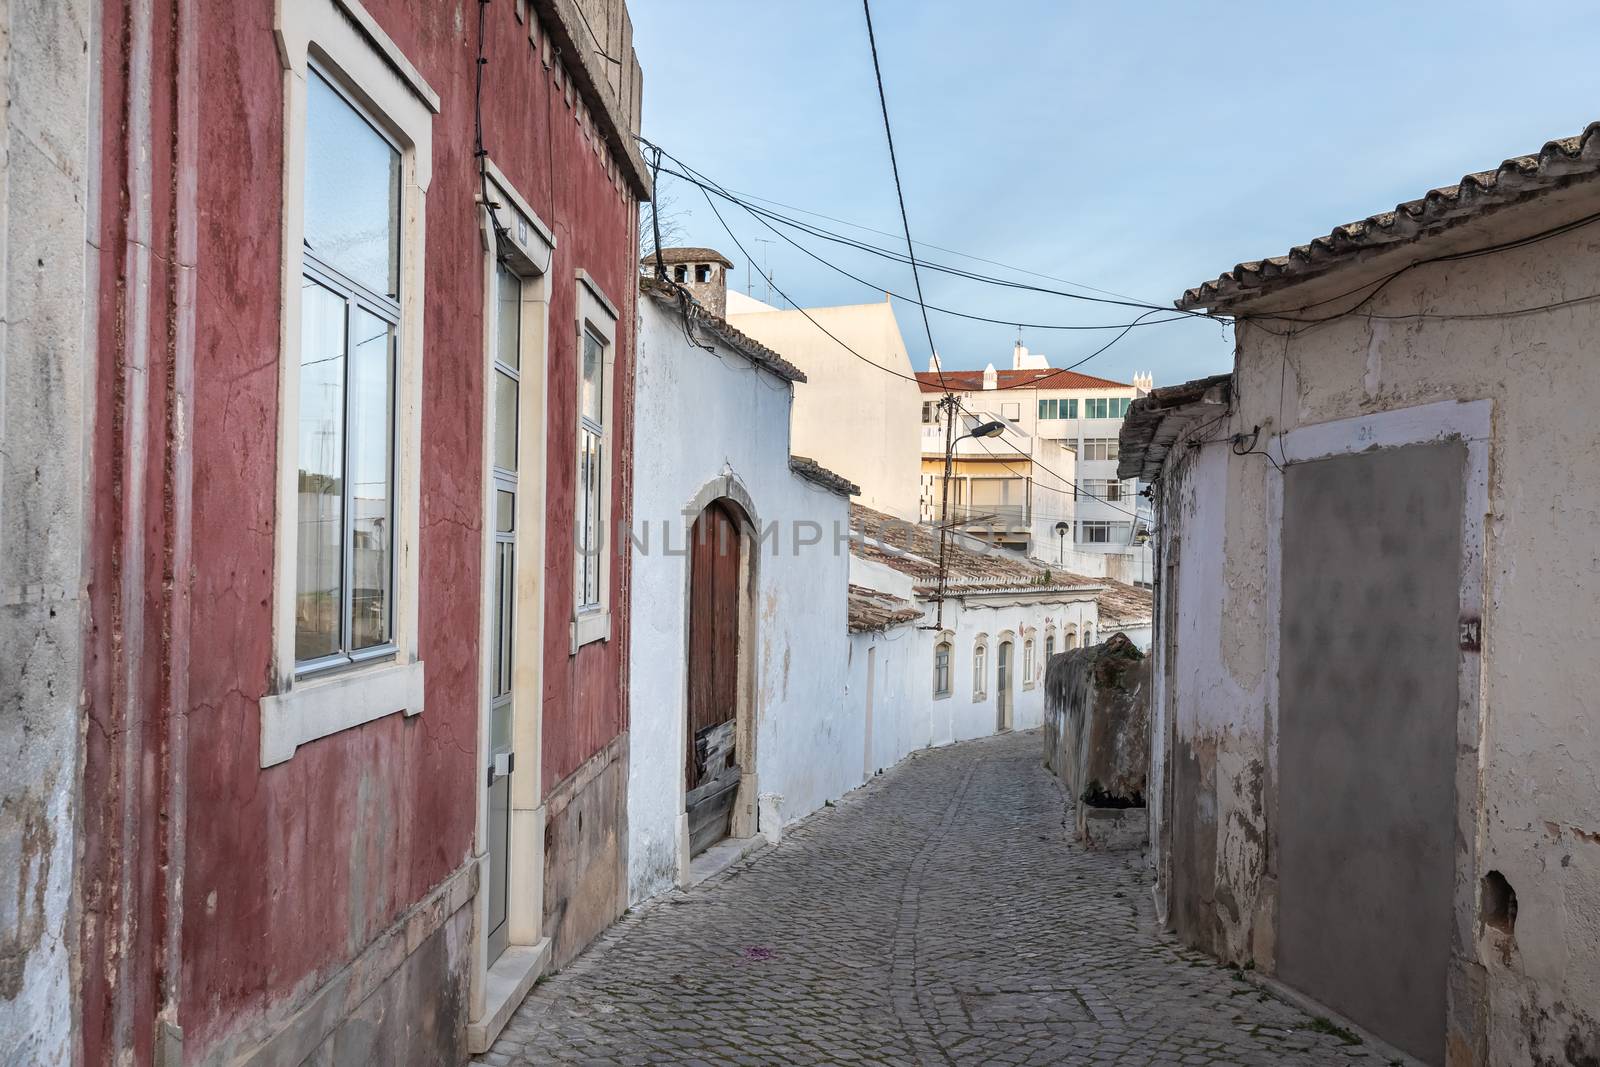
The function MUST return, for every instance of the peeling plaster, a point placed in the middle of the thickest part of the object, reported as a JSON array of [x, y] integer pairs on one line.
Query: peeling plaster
[[1530, 774]]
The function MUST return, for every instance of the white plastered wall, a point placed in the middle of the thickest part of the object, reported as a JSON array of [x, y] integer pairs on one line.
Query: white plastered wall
[[850, 417], [798, 643]]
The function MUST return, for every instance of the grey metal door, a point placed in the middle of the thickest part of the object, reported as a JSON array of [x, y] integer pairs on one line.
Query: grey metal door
[[1368, 701]]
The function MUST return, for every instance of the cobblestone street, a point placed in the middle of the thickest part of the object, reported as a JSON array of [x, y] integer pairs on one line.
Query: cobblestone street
[[936, 916]]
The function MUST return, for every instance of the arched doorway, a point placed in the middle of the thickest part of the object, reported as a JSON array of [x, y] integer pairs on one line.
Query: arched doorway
[[712, 762], [1003, 686]]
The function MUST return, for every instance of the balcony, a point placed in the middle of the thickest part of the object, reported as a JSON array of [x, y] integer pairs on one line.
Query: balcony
[[1012, 443], [969, 515]]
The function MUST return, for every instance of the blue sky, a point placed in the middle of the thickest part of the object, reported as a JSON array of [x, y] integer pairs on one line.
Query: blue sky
[[1133, 147]]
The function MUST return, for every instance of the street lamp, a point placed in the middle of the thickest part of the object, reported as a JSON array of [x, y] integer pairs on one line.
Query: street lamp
[[952, 404]]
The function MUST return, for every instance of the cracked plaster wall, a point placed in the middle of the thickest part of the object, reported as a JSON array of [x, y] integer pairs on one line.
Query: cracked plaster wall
[[45, 85], [1530, 996]]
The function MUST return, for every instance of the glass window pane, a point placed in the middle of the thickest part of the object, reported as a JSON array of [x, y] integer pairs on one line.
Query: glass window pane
[[352, 192], [505, 421], [589, 555], [319, 564], [592, 394], [504, 591], [505, 511], [508, 318], [371, 477]]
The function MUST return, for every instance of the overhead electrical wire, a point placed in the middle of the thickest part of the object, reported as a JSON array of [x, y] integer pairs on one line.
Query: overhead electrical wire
[[1288, 315], [761, 217], [899, 191], [791, 301], [929, 244], [1063, 479], [695, 177]]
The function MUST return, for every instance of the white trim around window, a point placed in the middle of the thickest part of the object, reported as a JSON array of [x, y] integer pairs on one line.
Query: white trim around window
[[593, 550], [339, 42], [980, 668], [944, 672]]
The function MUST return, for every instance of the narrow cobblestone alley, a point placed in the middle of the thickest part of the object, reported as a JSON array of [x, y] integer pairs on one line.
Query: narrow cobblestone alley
[[936, 916]]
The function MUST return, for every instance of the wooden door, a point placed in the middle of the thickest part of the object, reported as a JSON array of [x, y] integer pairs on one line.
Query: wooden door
[[711, 772]]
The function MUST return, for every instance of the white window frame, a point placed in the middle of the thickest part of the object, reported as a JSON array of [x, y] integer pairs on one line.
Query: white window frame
[[1027, 662], [598, 315], [529, 246], [351, 51], [947, 643], [980, 668]]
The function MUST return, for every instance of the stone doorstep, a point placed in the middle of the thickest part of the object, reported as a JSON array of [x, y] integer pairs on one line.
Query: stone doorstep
[[720, 856], [1370, 1042], [504, 988]]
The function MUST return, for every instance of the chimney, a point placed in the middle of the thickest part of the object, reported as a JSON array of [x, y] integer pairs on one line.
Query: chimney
[[702, 271], [991, 380], [1143, 383]]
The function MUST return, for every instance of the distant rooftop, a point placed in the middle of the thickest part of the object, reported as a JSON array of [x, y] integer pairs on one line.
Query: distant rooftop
[[870, 609], [672, 256], [963, 381], [913, 549]]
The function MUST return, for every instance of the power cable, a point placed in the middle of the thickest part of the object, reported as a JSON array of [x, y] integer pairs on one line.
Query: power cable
[[938, 248], [1260, 318], [791, 302], [1068, 482], [899, 191], [707, 187], [761, 217], [695, 177], [1450, 257]]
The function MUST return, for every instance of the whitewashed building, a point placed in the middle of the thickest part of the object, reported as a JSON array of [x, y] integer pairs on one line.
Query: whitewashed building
[[744, 627], [977, 667], [858, 413]]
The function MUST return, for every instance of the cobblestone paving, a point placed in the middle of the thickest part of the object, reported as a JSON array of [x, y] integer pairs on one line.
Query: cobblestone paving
[[937, 916]]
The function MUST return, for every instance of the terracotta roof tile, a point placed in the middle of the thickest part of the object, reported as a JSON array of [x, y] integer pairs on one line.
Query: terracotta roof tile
[[1558, 164], [913, 549], [965, 381], [668, 295], [874, 610], [687, 255], [812, 471]]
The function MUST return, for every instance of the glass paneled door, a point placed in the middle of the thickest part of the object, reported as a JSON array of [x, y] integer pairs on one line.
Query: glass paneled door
[[504, 405], [1003, 687]]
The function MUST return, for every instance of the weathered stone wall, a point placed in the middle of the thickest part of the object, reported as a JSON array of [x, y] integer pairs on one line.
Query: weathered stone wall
[[1097, 738]]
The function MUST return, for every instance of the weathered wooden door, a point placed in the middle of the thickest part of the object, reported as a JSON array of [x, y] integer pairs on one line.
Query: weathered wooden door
[[712, 766]]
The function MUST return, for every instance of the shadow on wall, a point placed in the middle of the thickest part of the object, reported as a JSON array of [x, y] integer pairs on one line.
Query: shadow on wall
[[1097, 739]]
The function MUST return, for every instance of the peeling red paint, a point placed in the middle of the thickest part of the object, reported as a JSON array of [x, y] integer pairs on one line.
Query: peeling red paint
[[307, 860]]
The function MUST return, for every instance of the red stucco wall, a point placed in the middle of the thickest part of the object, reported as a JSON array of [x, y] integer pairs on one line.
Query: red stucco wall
[[290, 871]]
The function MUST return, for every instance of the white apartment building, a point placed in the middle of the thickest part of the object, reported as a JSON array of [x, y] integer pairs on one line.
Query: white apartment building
[[1060, 449]]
